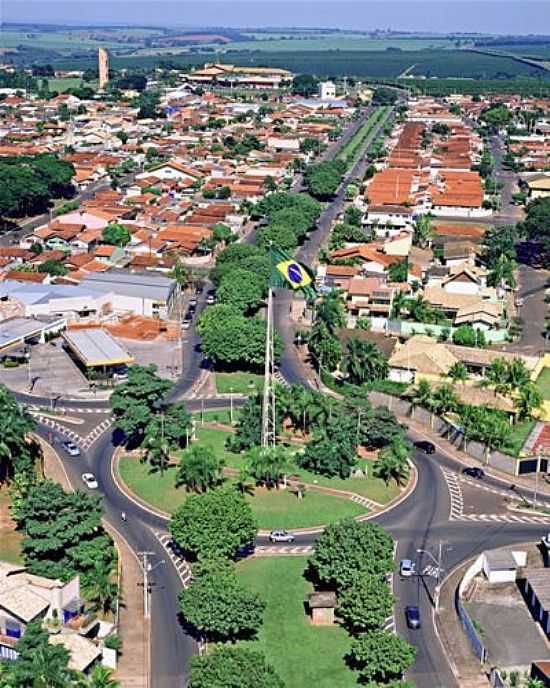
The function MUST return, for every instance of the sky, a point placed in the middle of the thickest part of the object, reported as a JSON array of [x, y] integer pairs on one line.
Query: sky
[[484, 16]]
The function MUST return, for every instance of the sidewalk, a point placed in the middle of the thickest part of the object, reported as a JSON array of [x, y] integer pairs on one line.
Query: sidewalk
[[133, 662], [466, 667]]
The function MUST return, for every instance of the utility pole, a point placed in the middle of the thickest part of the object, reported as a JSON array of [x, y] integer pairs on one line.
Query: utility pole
[[146, 566], [537, 471], [437, 563], [231, 405]]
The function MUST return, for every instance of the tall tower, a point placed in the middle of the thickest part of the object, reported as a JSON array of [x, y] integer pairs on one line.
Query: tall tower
[[103, 63]]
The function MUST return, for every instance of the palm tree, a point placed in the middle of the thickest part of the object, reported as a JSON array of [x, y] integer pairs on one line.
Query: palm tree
[[530, 399], [363, 361], [393, 462], [331, 311], [101, 677], [199, 469], [501, 273], [157, 452], [458, 372], [102, 591], [269, 465], [423, 231], [445, 400], [518, 375], [398, 304], [497, 376], [421, 396]]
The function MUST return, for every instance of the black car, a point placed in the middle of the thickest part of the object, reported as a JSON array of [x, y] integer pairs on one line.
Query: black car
[[474, 472], [189, 315], [412, 615], [426, 447], [199, 289]]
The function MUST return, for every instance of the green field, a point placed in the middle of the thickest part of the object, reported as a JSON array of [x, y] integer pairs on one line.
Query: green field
[[273, 508], [238, 383], [62, 85], [53, 40], [520, 433], [304, 655], [271, 44]]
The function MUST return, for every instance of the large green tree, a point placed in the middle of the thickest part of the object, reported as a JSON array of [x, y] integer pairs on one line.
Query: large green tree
[[323, 179], [233, 667], [241, 289], [220, 608], [17, 451], [381, 656], [348, 549], [366, 604], [219, 522], [268, 465], [63, 533], [39, 664], [135, 401]]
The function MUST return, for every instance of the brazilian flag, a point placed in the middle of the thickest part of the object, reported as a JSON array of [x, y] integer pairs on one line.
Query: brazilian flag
[[290, 274]]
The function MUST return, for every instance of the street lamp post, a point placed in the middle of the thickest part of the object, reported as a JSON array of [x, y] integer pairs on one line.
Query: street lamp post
[[437, 563], [231, 405], [537, 471]]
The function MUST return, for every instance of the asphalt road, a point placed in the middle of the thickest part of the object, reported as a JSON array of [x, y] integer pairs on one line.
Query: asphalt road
[[421, 521]]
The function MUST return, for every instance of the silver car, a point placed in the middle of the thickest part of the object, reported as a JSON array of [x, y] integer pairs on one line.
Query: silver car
[[71, 448], [281, 536]]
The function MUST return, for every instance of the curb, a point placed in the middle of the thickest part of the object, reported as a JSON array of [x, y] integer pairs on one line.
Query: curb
[[125, 490], [314, 530]]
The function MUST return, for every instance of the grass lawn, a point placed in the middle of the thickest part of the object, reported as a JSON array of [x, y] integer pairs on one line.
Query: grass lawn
[[304, 655], [370, 487], [240, 383], [219, 416], [543, 383], [10, 539], [282, 509], [157, 490], [273, 508], [520, 433], [62, 84]]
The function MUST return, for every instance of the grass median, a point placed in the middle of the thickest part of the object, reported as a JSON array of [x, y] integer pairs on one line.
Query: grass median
[[304, 655]]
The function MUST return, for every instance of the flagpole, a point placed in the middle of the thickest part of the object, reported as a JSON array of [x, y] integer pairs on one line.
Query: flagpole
[[268, 403]]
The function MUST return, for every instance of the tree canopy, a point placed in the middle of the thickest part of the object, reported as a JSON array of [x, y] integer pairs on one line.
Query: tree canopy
[[348, 549], [217, 523], [116, 234], [233, 667], [220, 608]]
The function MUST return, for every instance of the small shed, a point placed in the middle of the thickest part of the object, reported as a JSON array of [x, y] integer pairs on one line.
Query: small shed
[[321, 606], [499, 566]]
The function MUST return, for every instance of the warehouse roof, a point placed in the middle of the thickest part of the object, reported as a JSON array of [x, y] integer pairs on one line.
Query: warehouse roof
[[95, 347], [138, 285]]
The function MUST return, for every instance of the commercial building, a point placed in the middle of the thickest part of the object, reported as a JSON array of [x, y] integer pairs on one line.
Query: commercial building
[[95, 349], [140, 293]]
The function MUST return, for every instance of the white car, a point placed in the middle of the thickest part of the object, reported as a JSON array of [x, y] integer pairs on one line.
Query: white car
[[89, 480], [281, 536], [71, 448], [406, 568]]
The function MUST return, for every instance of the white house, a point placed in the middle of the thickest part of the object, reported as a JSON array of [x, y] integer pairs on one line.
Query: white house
[[327, 90]]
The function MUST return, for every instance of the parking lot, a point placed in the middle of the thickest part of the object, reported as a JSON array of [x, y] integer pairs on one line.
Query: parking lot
[[49, 372]]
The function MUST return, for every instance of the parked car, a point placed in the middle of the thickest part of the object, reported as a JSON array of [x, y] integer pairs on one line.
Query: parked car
[[71, 448], [210, 299], [424, 446], [193, 302], [90, 481], [412, 615], [189, 315], [281, 536], [186, 324], [406, 568], [474, 472], [199, 289]]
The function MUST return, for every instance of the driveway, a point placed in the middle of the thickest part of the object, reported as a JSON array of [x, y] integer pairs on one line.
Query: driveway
[[509, 633]]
